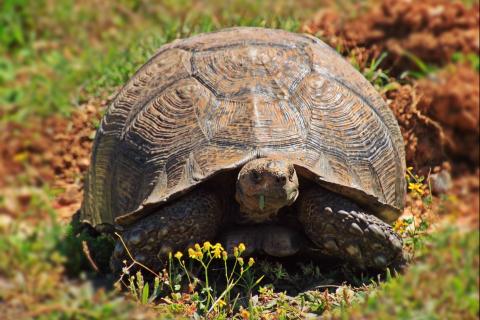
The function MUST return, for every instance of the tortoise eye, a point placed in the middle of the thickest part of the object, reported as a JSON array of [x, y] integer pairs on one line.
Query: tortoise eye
[[281, 179], [255, 176], [291, 170]]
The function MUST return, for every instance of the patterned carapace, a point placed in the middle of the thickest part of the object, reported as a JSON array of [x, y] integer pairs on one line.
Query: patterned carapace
[[215, 101]]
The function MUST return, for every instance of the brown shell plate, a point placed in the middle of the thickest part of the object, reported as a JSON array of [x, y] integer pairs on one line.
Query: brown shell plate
[[214, 101]]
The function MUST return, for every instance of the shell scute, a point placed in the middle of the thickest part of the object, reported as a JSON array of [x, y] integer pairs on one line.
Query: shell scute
[[215, 101]]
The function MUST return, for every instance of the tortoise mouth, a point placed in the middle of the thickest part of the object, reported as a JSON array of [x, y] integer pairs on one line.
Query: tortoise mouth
[[288, 199], [259, 207]]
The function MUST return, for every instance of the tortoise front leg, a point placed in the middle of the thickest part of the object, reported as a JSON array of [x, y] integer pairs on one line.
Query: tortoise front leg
[[340, 229], [194, 218]]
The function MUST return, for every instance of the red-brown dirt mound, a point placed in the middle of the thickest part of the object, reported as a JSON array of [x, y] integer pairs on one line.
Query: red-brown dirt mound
[[452, 99], [439, 118], [424, 138], [438, 114], [431, 30], [51, 151]]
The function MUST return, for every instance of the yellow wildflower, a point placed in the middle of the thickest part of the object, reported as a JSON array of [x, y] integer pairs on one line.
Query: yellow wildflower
[[245, 314], [20, 157], [178, 255], [400, 226], [235, 252], [224, 255], [197, 247], [195, 254], [240, 260], [416, 187], [221, 303], [217, 251], [251, 262], [218, 245], [207, 246], [241, 247]]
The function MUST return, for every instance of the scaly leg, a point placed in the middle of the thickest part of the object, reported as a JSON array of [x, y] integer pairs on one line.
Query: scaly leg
[[340, 229], [193, 218]]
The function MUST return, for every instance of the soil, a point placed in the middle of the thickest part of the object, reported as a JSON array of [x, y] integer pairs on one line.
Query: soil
[[424, 138], [438, 114], [451, 98], [431, 30], [439, 119], [53, 151]]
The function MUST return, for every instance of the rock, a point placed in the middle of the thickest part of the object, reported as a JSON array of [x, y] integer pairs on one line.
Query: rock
[[441, 182]]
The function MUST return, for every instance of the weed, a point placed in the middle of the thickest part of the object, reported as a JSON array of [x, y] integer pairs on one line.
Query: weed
[[472, 58], [78, 239], [423, 69], [417, 187], [202, 296], [414, 231], [373, 73]]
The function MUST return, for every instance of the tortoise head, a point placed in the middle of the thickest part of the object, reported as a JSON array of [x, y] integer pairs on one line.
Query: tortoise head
[[264, 186]]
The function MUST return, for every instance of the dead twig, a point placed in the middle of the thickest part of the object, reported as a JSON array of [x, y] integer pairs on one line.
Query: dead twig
[[86, 251]]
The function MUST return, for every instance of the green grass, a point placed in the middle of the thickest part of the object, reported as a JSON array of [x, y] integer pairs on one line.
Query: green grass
[[443, 284], [55, 55], [423, 69], [37, 262], [471, 58], [34, 269]]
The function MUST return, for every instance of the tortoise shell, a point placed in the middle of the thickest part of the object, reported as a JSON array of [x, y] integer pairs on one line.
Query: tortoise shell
[[214, 101]]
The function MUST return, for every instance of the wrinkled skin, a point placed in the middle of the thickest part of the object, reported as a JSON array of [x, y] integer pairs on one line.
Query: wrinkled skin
[[335, 225], [264, 186]]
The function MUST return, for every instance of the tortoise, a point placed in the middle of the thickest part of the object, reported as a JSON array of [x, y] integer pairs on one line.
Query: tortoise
[[249, 135]]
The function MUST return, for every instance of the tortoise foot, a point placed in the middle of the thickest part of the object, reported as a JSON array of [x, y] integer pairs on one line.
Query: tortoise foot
[[349, 234], [191, 219]]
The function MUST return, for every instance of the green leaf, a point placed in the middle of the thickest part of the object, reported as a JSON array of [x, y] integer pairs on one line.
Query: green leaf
[[145, 293], [261, 202]]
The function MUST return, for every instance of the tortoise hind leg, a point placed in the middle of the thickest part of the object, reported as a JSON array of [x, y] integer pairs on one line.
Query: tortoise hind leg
[[339, 229], [193, 218]]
